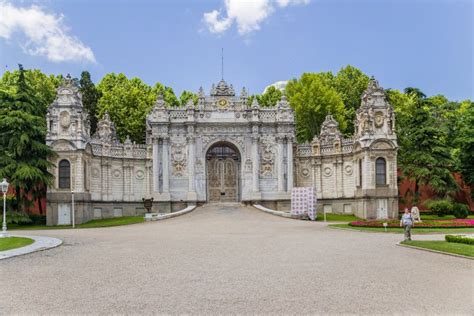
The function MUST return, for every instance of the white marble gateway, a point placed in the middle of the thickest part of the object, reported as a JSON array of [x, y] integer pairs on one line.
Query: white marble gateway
[[221, 149]]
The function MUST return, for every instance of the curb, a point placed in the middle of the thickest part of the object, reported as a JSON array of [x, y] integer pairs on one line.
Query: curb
[[435, 251], [41, 243], [361, 231], [382, 232], [276, 213], [175, 214]]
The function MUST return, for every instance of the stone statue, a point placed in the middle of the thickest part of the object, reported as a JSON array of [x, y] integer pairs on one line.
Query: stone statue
[[415, 214]]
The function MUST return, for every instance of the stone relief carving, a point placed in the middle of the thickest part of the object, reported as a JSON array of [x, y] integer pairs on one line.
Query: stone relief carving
[[116, 173], [329, 131], [199, 166], [222, 89], [348, 170], [268, 154], [239, 140], [106, 130], [327, 172], [64, 119], [248, 166], [140, 174], [178, 158], [304, 169], [379, 118], [95, 172]]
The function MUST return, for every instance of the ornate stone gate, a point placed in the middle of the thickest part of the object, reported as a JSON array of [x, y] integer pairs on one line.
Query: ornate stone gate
[[223, 169]]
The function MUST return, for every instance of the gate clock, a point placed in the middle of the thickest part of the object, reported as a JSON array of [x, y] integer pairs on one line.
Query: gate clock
[[223, 103]]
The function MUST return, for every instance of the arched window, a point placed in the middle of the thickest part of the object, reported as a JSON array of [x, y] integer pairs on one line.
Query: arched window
[[380, 171], [64, 174], [360, 172]]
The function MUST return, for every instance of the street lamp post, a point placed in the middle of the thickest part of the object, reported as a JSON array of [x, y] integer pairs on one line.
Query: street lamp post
[[4, 187], [73, 211]]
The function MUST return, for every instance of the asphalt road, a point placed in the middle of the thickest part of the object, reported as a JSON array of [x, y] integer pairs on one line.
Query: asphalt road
[[223, 259]]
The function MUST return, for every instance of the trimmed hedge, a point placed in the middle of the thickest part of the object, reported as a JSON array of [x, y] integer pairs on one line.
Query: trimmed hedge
[[460, 210], [440, 207], [459, 239], [443, 223]]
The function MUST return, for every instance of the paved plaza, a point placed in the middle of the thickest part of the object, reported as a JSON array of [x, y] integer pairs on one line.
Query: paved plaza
[[233, 259]]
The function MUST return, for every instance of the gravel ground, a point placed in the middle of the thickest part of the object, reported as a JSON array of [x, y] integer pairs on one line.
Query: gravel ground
[[223, 259]]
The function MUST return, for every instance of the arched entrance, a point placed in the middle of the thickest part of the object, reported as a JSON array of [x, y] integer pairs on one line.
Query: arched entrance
[[223, 169]]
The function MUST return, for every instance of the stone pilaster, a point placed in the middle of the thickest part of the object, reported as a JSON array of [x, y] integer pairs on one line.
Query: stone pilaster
[[255, 165], [155, 166], [166, 165], [191, 196], [289, 159], [280, 164]]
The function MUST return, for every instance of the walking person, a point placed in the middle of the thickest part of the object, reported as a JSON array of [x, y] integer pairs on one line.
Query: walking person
[[407, 223]]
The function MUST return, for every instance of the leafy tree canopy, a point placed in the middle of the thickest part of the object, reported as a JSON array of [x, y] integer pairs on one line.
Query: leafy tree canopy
[[312, 97], [350, 83], [90, 98], [42, 87], [23, 152], [186, 95]]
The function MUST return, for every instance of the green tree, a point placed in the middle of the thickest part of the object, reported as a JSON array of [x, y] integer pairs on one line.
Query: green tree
[[312, 97], [43, 87], [168, 95], [465, 143], [90, 98], [128, 101], [424, 155], [270, 97], [350, 83], [23, 152], [186, 95]]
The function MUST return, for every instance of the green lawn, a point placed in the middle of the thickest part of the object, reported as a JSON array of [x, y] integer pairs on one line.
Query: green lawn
[[330, 217], [400, 230], [9, 243], [451, 247], [107, 222]]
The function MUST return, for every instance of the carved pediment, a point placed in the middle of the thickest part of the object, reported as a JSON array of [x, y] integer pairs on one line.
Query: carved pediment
[[222, 89], [381, 145], [63, 145]]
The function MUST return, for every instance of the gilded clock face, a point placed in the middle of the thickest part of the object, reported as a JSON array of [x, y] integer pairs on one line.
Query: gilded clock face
[[222, 102]]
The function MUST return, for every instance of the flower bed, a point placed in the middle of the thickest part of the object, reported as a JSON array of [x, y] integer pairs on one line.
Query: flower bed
[[443, 223]]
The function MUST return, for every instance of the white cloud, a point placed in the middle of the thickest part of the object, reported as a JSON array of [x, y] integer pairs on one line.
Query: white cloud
[[45, 34], [246, 14], [285, 3]]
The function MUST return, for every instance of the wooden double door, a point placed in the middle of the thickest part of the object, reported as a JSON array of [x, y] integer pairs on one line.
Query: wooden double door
[[223, 174]]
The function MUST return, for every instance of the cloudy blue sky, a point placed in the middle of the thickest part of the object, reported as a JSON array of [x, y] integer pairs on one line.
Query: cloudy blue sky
[[425, 44]]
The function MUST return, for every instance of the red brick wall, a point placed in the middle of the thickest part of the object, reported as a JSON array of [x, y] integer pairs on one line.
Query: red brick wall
[[406, 188]]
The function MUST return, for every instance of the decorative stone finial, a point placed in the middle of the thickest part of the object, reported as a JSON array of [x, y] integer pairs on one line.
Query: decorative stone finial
[[190, 104], [160, 102], [255, 104], [222, 89], [201, 93], [243, 93], [106, 130], [329, 130], [374, 95], [283, 103]]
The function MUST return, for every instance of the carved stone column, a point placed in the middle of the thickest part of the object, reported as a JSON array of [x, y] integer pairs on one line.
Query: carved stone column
[[281, 164], [289, 159], [155, 166], [166, 180], [191, 196], [255, 165]]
